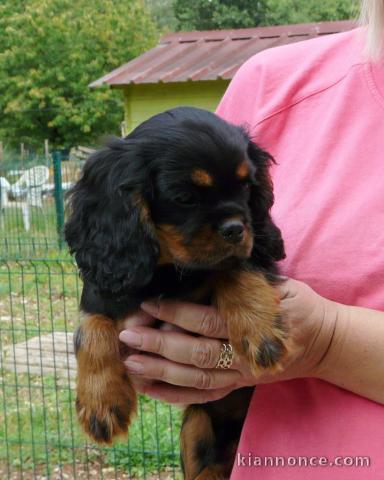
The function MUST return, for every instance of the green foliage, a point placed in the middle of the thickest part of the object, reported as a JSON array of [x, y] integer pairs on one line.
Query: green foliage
[[216, 14], [299, 11], [212, 14], [163, 14], [50, 50]]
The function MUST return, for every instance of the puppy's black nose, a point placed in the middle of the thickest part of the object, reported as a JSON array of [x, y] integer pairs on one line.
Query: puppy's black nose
[[232, 231]]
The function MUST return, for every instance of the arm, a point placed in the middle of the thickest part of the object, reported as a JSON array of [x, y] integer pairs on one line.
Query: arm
[[355, 357], [336, 343]]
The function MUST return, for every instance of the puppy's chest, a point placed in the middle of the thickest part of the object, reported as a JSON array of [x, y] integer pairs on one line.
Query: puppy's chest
[[168, 282]]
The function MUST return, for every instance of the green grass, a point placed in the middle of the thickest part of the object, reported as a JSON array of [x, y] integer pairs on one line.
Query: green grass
[[37, 296], [41, 239], [38, 428], [39, 431]]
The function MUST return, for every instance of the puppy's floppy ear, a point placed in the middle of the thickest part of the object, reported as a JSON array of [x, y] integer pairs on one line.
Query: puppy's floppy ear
[[269, 241], [109, 229]]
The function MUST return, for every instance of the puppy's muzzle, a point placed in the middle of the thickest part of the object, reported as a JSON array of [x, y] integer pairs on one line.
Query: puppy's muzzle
[[232, 231]]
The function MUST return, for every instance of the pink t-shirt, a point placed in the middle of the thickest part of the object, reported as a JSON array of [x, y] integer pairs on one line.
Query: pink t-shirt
[[318, 107]]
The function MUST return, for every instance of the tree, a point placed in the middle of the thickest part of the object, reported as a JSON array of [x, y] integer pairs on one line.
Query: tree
[[212, 14], [299, 11], [216, 14], [50, 50], [163, 14]]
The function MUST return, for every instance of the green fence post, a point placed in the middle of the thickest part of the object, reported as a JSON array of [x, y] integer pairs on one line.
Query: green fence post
[[59, 197]]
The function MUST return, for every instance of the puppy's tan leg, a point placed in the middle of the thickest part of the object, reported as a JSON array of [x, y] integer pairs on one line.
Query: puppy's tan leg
[[213, 473], [106, 399], [250, 306], [199, 447]]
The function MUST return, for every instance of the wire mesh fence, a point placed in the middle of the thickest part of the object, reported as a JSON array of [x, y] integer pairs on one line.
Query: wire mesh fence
[[39, 296], [39, 434], [32, 202]]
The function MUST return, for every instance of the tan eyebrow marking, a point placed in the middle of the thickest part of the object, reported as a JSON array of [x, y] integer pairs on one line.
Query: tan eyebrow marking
[[202, 178], [242, 170]]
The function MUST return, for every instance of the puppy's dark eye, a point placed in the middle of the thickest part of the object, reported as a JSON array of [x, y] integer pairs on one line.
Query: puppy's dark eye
[[186, 199], [246, 186]]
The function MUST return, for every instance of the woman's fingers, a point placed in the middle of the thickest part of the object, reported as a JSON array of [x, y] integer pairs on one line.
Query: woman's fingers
[[167, 371], [179, 347], [200, 319], [138, 318], [181, 395]]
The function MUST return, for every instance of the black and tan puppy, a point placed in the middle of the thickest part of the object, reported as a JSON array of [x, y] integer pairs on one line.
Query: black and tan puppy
[[178, 208]]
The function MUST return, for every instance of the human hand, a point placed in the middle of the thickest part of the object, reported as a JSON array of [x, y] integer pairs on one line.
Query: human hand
[[177, 366]]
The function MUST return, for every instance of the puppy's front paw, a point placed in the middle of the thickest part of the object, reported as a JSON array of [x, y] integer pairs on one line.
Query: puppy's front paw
[[105, 407], [250, 306], [264, 345]]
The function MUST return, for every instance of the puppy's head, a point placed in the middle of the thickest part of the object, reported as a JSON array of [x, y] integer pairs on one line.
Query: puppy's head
[[185, 187]]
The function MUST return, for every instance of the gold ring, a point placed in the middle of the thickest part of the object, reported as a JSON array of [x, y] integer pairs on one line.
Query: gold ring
[[226, 356]]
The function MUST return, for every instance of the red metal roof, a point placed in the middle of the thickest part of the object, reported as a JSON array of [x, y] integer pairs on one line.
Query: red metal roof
[[212, 54]]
